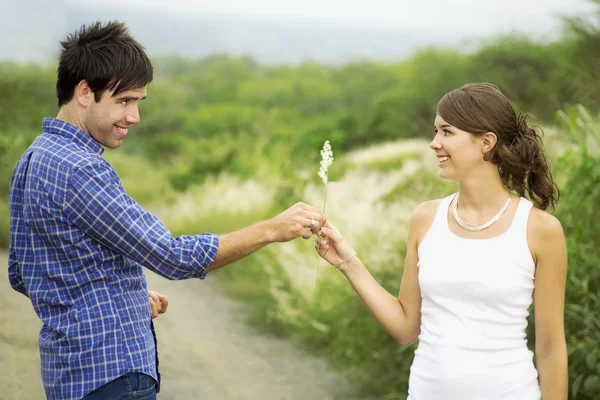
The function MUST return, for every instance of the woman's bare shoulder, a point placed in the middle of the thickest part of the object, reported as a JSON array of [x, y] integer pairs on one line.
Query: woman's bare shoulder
[[426, 210], [544, 233], [422, 218], [544, 225], [547, 242]]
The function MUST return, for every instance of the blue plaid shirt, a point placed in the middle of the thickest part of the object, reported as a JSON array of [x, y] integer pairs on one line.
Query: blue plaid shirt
[[77, 246]]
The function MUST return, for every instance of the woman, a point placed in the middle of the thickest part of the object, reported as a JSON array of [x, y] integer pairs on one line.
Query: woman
[[475, 261]]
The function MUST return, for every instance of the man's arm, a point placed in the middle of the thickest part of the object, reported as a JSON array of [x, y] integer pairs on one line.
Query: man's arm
[[288, 225], [97, 204]]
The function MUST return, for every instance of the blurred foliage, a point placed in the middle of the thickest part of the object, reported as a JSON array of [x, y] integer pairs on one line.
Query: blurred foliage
[[227, 113], [223, 113], [12, 145], [578, 211], [334, 323], [583, 55]]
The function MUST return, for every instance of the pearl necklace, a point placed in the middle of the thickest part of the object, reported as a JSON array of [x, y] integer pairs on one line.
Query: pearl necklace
[[477, 228]]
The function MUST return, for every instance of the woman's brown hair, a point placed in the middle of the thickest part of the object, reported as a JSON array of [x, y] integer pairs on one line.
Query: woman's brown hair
[[479, 108]]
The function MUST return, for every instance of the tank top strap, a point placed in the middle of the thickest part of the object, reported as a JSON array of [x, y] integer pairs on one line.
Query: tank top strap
[[440, 222], [439, 227], [518, 228]]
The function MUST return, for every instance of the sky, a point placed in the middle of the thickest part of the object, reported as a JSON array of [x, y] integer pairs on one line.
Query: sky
[[286, 30], [468, 16]]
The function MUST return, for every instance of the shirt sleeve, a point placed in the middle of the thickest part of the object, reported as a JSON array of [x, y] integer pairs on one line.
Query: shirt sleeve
[[14, 273], [97, 203]]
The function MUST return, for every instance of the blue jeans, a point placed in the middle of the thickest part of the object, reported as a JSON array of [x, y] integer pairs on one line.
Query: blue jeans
[[132, 386]]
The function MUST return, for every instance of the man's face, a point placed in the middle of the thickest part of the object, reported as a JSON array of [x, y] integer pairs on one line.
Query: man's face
[[108, 120]]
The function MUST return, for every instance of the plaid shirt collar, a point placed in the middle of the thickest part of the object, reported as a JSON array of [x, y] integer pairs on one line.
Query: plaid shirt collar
[[71, 132]]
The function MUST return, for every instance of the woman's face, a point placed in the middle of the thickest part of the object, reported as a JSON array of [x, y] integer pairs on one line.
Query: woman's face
[[458, 152]]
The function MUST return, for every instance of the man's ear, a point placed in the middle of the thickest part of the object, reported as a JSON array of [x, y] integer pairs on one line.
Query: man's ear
[[83, 94], [489, 141]]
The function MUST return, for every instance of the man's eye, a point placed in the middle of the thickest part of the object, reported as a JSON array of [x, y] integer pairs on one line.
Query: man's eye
[[124, 102]]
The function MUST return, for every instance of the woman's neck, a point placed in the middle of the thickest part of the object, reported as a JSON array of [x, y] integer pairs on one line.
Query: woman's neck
[[483, 196]]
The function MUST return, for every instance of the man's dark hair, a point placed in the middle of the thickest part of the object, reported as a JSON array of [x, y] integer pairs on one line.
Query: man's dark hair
[[106, 56]]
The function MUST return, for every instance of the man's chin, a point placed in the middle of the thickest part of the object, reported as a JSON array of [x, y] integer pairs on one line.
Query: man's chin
[[114, 144]]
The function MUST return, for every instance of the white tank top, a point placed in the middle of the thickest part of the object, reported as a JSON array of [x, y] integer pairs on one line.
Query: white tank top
[[475, 299]]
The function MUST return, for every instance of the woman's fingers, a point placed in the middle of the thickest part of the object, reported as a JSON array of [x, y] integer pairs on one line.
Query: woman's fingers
[[332, 233]]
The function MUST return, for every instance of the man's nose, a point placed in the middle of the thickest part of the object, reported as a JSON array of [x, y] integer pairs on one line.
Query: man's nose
[[133, 117]]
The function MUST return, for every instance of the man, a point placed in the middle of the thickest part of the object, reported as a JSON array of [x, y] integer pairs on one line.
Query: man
[[78, 241]]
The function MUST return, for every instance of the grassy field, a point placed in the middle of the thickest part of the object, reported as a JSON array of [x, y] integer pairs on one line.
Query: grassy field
[[371, 195]]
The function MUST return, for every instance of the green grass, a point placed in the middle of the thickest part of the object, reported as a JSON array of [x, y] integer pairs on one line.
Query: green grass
[[144, 181], [391, 163], [217, 223], [422, 185], [373, 212], [4, 224]]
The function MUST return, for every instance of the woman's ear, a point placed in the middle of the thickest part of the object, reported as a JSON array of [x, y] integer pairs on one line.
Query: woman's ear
[[489, 141]]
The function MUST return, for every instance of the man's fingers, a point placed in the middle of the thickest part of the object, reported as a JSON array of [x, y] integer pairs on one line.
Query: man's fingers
[[304, 206], [158, 303], [315, 221], [305, 233], [156, 297], [153, 307], [164, 302]]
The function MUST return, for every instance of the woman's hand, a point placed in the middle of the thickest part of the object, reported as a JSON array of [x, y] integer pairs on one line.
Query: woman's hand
[[332, 246]]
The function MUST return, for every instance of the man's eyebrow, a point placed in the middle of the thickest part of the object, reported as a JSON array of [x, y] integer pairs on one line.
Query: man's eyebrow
[[122, 98]]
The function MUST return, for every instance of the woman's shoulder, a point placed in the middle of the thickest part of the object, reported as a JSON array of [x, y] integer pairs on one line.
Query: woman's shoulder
[[427, 210], [547, 240], [542, 224], [544, 232], [423, 216]]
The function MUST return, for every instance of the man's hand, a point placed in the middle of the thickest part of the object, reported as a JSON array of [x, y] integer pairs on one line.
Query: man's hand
[[158, 303], [298, 220]]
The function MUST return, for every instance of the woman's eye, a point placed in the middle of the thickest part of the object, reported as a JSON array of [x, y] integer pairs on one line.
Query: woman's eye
[[446, 132]]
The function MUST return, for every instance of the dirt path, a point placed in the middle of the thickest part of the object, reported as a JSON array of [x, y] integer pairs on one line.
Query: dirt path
[[206, 351]]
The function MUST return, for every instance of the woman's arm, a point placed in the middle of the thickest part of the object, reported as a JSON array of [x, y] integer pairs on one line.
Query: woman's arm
[[400, 317], [548, 245]]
